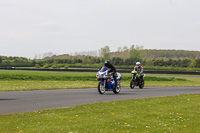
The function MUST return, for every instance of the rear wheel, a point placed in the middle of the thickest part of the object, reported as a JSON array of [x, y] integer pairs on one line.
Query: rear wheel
[[132, 84], [101, 88], [141, 86]]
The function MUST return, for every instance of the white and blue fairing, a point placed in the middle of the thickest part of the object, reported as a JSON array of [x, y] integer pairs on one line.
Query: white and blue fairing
[[102, 73]]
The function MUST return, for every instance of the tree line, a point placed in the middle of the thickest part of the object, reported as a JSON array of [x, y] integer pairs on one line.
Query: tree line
[[124, 56]]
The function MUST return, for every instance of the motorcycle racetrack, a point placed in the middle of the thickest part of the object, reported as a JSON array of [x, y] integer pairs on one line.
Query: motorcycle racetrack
[[27, 101]]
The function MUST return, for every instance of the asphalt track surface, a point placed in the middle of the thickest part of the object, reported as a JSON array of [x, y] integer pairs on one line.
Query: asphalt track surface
[[28, 101]]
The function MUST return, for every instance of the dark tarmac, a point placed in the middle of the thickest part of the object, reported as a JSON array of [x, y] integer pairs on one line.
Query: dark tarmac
[[28, 101]]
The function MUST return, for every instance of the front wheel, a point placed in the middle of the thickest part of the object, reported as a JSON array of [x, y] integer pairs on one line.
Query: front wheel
[[117, 89], [132, 84], [101, 88]]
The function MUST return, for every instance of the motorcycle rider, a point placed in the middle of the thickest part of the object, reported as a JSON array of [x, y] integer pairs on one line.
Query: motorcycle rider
[[112, 69], [139, 69]]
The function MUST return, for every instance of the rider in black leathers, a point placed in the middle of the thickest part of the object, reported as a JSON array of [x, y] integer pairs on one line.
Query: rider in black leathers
[[112, 69]]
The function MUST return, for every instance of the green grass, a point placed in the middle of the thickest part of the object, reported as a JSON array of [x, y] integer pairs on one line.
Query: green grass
[[177, 114], [65, 76], [46, 76], [34, 80], [18, 85], [161, 114], [170, 68]]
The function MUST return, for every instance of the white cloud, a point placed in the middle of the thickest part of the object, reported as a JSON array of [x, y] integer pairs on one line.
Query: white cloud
[[197, 23], [67, 26], [15, 35], [51, 25]]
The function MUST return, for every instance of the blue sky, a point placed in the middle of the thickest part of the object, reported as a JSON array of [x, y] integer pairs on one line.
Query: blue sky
[[32, 27]]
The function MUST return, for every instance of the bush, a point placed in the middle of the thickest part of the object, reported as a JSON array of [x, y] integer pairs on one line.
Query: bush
[[37, 65], [46, 66], [66, 66], [60, 65], [54, 66]]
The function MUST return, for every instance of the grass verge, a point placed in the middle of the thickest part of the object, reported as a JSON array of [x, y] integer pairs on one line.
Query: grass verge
[[161, 114], [66, 76], [18, 85], [34, 80], [29, 80]]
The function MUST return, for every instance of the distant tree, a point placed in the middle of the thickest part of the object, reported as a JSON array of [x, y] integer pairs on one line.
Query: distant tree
[[134, 53], [35, 57], [105, 53], [87, 60], [174, 63], [149, 62], [198, 63], [131, 61], [119, 49], [117, 61], [125, 48], [193, 63], [169, 62], [185, 63], [33, 62], [0, 59], [98, 60], [48, 54]]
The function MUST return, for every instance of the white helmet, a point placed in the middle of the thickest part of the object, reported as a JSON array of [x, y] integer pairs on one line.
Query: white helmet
[[138, 63]]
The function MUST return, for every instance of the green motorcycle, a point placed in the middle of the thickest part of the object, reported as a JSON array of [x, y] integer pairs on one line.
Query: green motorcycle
[[136, 80]]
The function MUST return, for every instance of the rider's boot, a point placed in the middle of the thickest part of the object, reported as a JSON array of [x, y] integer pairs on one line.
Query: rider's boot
[[116, 83], [142, 79]]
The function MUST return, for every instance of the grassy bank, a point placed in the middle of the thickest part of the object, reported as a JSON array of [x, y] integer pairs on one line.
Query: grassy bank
[[45, 76], [66, 76], [18, 85], [34, 80], [162, 114]]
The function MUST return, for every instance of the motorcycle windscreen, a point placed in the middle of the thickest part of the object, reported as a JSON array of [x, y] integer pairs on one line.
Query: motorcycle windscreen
[[103, 69]]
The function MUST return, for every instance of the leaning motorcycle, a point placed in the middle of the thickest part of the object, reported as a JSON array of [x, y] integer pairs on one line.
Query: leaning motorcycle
[[107, 82], [136, 80]]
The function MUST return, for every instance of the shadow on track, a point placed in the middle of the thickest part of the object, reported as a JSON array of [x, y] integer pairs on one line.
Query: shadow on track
[[7, 99]]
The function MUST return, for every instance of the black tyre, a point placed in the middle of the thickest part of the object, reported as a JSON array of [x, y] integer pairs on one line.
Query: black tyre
[[132, 84], [101, 88], [141, 86], [117, 89]]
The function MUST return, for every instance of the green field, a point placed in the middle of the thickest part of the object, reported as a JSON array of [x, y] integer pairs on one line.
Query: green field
[[65, 76], [161, 114], [176, 114], [38, 80]]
